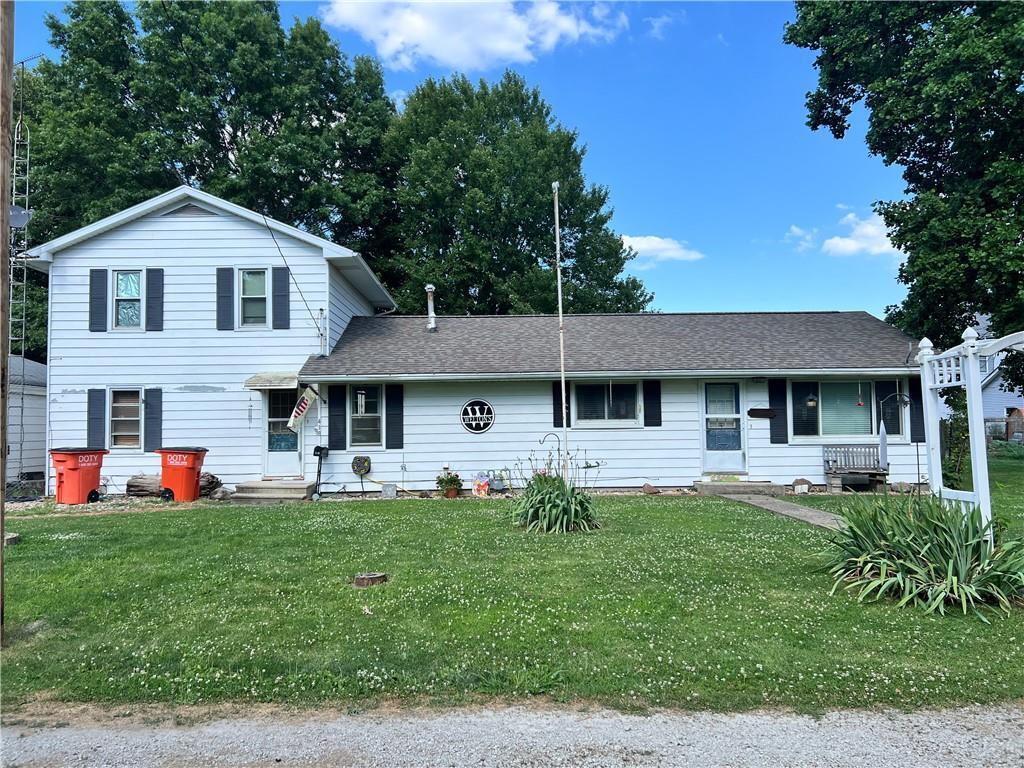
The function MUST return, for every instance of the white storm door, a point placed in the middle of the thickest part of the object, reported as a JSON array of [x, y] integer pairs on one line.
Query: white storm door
[[723, 428], [283, 447]]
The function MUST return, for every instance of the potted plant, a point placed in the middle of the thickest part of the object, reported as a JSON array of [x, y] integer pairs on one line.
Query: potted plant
[[449, 483]]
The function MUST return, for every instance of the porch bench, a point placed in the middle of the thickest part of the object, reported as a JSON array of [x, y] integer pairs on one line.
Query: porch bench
[[862, 460]]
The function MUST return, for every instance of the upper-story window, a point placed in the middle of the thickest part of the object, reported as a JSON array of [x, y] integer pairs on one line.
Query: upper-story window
[[128, 298], [252, 310]]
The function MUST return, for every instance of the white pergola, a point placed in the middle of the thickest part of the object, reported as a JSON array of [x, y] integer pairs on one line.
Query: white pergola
[[960, 367]]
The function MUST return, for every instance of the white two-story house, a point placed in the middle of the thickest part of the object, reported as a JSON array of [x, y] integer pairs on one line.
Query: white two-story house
[[184, 321], [189, 321]]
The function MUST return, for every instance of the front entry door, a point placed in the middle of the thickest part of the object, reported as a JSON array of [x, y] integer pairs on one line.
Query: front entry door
[[283, 447], [723, 428]]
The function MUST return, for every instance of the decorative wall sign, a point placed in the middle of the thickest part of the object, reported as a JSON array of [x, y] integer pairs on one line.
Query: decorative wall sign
[[477, 416]]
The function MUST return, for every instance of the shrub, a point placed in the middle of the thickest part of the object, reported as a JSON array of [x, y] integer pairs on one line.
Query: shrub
[[1006, 450], [551, 505], [924, 553]]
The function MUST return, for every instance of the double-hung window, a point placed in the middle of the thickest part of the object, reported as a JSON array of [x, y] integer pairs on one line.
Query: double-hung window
[[846, 408], [365, 415], [252, 310], [607, 402], [128, 298], [125, 418]]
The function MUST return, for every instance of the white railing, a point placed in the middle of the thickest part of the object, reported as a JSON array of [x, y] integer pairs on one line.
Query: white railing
[[945, 372], [967, 501]]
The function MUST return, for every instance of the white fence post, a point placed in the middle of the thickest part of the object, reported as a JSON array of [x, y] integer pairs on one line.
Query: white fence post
[[930, 403], [971, 372]]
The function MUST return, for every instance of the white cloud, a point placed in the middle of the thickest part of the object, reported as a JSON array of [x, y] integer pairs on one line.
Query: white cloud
[[652, 250], [866, 235], [657, 25], [800, 238], [473, 35]]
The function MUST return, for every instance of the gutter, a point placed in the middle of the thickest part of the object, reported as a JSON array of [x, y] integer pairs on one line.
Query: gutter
[[670, 374]]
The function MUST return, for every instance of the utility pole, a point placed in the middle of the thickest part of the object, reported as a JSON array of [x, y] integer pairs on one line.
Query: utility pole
[[6, 105]]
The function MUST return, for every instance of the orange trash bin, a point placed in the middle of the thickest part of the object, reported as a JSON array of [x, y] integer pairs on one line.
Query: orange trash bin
[[179, 472], [78, 474]]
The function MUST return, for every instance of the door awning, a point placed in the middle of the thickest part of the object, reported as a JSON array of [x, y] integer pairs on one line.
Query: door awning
[[273, 381]]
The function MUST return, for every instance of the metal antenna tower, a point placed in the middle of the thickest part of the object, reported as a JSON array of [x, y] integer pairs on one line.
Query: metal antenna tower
[[18, 318]]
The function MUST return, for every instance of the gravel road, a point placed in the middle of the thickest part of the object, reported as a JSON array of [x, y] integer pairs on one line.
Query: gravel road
[[518, 736]]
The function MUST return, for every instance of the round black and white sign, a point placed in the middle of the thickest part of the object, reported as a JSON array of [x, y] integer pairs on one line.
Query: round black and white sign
[[477, 416]]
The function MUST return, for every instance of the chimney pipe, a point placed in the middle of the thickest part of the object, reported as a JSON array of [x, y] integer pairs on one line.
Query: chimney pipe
[[431, 317]]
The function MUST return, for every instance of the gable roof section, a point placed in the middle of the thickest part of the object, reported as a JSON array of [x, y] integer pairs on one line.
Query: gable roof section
[[755, 343], [351, 263]]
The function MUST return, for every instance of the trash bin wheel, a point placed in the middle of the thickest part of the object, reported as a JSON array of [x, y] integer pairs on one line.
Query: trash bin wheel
[[167, 494], [93, 496], [315, 497]]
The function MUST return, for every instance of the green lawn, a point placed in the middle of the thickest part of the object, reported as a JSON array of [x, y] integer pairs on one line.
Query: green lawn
[[677, 601], [1006, 482]]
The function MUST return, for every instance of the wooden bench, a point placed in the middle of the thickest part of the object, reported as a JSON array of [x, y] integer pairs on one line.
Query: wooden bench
[[862, 460]]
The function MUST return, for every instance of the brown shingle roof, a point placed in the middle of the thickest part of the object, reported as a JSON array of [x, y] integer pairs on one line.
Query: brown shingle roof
[[528, 344]]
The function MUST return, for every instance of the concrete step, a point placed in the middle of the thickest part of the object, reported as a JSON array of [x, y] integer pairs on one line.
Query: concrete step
[[252, 499], [706, 488], [272, 491]]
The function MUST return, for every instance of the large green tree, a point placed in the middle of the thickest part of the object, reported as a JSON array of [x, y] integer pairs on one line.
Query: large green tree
[[222, 96], [476, 163], [943, 84], [214, 95]]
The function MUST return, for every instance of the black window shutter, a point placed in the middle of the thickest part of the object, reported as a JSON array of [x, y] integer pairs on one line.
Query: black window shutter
[[394, 416], [337, 396], [153, 414], [154, 299], [652, 402], [225, 299], [556, 404], [97, 300], [96, 419], [778, 425], [281, 309], [916, 410]]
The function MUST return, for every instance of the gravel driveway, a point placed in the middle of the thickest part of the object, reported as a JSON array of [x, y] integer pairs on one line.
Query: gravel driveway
[[518, 736]]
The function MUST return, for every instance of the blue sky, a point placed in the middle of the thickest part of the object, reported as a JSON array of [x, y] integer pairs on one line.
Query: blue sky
[[693, 116]]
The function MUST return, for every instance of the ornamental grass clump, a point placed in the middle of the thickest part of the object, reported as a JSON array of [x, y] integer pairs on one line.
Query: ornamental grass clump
[[549, 504], [922, 552]]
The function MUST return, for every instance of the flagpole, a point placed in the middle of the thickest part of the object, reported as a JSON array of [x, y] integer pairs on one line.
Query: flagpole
[[561, 340]]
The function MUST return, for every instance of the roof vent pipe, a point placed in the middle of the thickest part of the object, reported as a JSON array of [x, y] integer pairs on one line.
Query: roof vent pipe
[[431, 317]]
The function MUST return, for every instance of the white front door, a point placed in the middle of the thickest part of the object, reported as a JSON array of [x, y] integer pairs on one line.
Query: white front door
[[283, 447], [723, 427]]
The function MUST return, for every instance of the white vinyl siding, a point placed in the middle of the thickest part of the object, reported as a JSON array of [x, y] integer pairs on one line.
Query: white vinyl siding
[[201, 370], [26, 407]]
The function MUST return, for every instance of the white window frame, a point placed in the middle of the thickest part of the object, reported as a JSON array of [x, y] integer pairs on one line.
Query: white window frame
[[871, 438], [110, 420], [636, 423], [239, 325], [141, 327], [350, 414]]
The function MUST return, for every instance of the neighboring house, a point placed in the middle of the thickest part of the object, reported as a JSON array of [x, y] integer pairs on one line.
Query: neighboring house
[[179, 322], [998, 403], [26, 420]]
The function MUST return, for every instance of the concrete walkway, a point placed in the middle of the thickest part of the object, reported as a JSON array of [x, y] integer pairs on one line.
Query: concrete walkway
[[817, 517]]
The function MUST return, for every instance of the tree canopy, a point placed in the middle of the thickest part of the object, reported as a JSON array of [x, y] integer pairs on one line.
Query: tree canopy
[[223, 97], [944, 87], [475, 164]]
